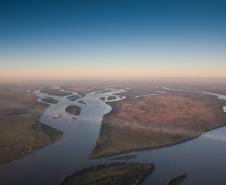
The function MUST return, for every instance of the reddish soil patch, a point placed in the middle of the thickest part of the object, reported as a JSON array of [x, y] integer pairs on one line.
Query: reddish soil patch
[[156, 121]]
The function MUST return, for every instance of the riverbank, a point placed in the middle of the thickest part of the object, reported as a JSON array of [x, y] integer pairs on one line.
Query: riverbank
[[20, 130], [157, 121]]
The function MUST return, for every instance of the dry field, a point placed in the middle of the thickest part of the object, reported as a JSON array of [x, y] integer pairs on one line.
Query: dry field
[[81, 88], [156, 121], [20, 131]]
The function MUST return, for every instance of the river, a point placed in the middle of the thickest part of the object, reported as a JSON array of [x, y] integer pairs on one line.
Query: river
[[202, 159]]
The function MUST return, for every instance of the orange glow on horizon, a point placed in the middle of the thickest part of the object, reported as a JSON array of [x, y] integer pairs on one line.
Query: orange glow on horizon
[[113, 68]]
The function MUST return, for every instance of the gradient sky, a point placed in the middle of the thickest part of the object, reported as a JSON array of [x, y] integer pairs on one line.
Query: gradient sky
[[112, 39]]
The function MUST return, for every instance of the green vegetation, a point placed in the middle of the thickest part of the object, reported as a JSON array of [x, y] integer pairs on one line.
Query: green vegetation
[[49, 100], [103, 140], [53, 133], [111, 97], [73, 109], [102, 98], [82, 102], [177, 180], [111, 174], [73, 97], [20, 130]]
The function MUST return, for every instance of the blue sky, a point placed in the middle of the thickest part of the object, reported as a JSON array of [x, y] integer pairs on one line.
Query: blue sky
[[112, 29]]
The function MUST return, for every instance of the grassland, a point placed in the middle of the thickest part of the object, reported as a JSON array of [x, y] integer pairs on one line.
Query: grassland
[[82, 88], [111, 174], [20, 131], [157, 121], [55, 92]]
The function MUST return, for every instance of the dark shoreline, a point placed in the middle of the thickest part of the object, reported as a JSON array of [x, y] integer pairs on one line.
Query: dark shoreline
[[152, 148], [53, 133], [26, 132], [177, 180]]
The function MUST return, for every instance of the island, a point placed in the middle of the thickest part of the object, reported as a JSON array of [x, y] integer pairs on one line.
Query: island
[[49, 100], [157, 121], [111, 98], [82, 102], [113, 173], [73, 109], [177, 180], [73, 97]]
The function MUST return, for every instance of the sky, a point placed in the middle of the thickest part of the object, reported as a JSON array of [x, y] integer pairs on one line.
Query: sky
[[112, 39]]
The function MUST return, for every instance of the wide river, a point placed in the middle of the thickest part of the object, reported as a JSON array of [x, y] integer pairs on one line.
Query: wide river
[[202, 159]]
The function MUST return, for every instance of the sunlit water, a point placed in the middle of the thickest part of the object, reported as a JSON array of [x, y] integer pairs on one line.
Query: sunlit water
[[202, 159]]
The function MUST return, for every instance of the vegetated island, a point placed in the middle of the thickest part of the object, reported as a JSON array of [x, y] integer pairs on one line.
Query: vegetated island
[[49, 100], [111, 174], [111, 98], [73, 97], [20, 130], [177, 180], [82, 102], [73, 109], [157, 121]]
